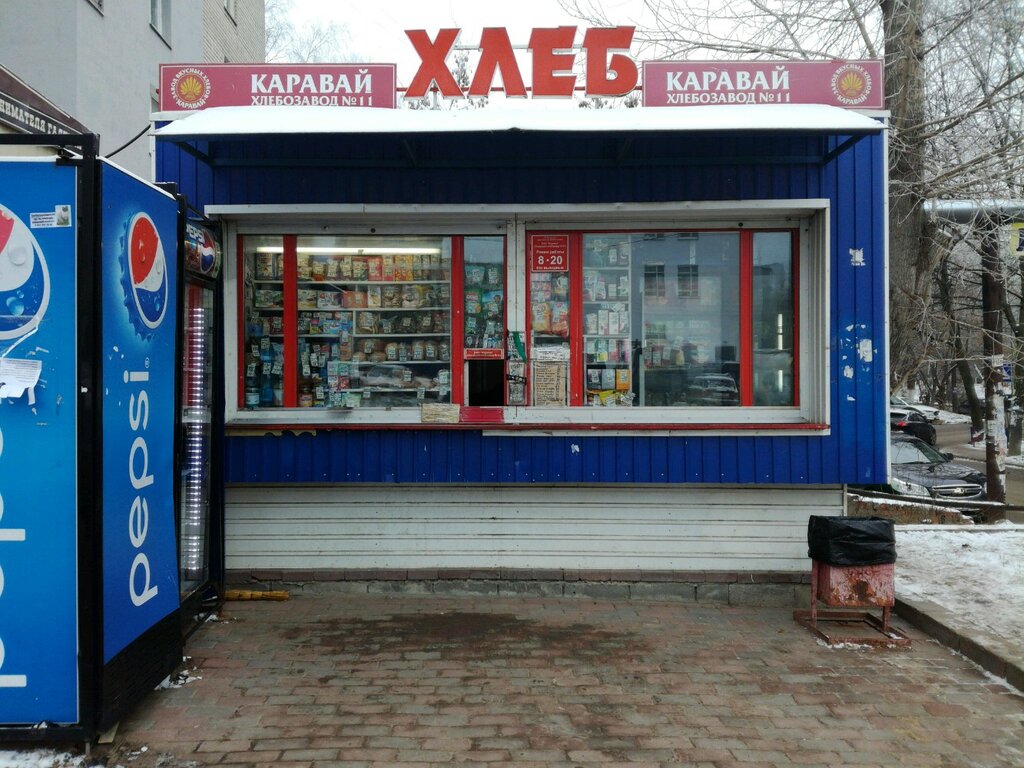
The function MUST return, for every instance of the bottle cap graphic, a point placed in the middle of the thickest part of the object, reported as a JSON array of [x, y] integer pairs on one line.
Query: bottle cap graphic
[[24, 278], [144, 269]]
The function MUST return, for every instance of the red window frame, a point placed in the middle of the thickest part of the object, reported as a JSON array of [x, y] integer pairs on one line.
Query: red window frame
[[746, 266]]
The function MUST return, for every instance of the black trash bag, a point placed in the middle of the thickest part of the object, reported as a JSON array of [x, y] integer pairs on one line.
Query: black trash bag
[[846, 541]]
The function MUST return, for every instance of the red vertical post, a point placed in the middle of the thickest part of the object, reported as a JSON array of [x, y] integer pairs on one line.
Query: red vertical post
[[746, 350], [458, 308], [240, 319], [290, 397], [796, 315], [575, 318]]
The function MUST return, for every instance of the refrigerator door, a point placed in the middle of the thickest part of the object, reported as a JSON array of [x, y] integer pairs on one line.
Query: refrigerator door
[[196, 445]]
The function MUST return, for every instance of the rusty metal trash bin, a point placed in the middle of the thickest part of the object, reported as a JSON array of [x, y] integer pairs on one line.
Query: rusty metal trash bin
[[852, 567]]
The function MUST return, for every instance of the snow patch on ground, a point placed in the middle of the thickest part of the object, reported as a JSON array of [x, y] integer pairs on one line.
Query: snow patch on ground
[[976, 573], [42, 758], [948, 417]]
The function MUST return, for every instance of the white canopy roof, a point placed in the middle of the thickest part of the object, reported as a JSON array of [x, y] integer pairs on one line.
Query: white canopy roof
[[228, 121]]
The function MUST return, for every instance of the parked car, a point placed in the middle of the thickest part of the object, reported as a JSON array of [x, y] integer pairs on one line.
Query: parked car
[[714, 389], [920, 470], [930, 413], [913, 423]]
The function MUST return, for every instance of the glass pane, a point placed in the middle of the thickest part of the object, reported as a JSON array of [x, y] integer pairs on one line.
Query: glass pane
[[263, 316], [687, 297], [773, 318], [607, 318], [549, 319], [484, 276], [373, 321]]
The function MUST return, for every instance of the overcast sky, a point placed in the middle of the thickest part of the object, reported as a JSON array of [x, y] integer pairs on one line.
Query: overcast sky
[[376, 31]]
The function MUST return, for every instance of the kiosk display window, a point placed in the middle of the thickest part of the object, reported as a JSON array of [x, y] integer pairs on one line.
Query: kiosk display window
[[347, 322]]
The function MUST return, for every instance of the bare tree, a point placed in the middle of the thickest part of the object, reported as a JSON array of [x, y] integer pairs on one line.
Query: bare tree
[[311, 42], [953, 89]]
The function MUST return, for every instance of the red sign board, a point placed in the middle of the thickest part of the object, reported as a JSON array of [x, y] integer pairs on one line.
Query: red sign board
[[198, 86], [609, 69], [549, 253], [851, 84]]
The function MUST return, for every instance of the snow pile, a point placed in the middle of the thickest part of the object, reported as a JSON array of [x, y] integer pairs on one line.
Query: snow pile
[[948, 417], [976, 573], [41, 758]]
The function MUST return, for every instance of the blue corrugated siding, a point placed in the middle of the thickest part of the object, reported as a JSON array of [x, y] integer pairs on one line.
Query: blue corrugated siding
[[532, 168]]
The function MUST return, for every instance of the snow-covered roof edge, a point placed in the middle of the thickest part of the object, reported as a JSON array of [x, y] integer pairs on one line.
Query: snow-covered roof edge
[[282, 120]]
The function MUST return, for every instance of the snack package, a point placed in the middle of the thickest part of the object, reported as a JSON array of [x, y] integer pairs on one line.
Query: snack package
[[541, 317], [560, 318], [353, 299], [560, 285], [360, 268], [306, 298], [328, 299], [375, 268], [622, 379], [373, 296]]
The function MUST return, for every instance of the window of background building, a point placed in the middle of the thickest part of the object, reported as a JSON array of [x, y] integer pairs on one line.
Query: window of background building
[[160, 17]]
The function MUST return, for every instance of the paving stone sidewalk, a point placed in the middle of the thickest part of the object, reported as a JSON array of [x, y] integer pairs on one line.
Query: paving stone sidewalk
[[382, 680]]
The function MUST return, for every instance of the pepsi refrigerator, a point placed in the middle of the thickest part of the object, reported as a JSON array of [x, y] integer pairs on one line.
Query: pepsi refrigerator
[[90, 424]]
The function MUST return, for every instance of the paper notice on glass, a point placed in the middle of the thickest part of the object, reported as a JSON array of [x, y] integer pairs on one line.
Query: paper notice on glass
[[550, 381], [439, 413], [551, 352], [19, 376]]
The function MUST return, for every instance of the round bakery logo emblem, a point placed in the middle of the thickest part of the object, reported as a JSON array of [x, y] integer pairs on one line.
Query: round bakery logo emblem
[[147, 286], [190, 88], [851, 84], [24, 278]]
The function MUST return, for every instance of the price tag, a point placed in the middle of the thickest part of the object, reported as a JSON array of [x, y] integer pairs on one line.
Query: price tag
[[250, 370], [278, 367], [421, 393], [305, 370]]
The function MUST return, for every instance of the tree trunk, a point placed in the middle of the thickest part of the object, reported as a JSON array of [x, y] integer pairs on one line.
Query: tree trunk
[[992, 316], [910, 256]]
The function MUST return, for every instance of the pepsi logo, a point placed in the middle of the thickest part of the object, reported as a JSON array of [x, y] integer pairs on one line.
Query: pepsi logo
[[207, 253], [24, 278], [147, 271]]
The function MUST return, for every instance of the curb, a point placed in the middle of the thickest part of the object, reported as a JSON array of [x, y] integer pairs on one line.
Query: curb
[[986, 650]]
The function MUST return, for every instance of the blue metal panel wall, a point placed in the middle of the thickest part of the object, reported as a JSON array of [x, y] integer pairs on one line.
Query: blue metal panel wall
[[525, 168]]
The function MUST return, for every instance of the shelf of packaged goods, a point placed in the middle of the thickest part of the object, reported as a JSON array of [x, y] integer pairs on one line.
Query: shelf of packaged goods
[[397, 362], [341, 284], [267, 309], [336, 336], [375, 390], [361, 335], [397, 309], [267, 281]]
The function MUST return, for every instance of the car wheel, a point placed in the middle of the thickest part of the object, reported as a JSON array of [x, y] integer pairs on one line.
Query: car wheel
[[932, 438]]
